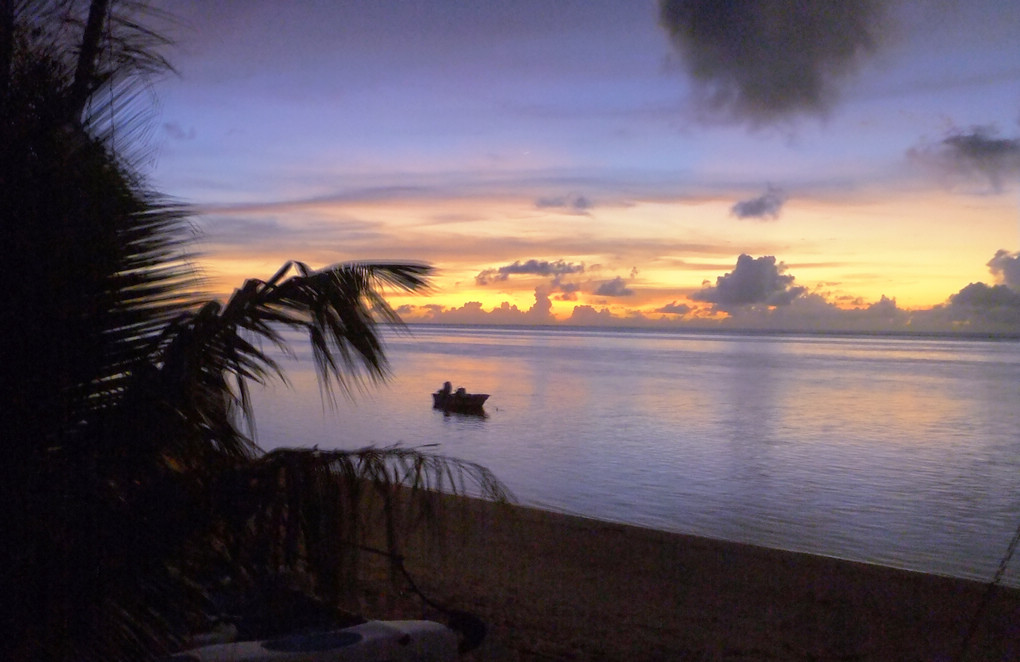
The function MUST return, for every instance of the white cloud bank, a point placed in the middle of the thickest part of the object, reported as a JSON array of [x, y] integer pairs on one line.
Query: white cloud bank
[[758, 295]]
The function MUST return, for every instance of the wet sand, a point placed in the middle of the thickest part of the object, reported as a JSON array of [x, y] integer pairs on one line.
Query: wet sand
[[556, 587]]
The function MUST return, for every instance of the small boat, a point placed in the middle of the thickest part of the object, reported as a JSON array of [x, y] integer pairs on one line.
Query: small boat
[[459, 401]]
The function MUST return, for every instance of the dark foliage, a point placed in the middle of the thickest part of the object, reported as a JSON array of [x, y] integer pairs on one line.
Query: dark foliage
[[130, 487]]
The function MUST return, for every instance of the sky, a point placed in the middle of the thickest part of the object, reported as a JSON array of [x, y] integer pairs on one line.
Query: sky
[[782, 164]]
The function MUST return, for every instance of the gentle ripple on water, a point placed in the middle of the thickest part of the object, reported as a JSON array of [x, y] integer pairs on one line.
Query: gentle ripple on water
[[900, 451]]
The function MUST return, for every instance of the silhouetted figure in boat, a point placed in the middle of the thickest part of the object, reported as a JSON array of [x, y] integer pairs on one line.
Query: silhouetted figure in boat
[[459, 401]]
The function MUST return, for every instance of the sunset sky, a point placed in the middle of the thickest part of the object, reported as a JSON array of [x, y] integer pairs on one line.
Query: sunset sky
[[610, 161]]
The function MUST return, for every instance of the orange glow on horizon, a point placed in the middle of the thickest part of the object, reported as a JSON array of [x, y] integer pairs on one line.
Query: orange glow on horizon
[[850, 251]]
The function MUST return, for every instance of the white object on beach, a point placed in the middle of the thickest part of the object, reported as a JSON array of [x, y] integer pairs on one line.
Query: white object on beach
[[397, 641]]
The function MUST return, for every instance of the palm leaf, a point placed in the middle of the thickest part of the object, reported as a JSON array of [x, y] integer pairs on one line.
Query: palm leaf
[[314, 511], [208, 358]]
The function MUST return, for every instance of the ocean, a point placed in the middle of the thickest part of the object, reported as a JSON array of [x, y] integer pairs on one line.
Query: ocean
[[900, 451]]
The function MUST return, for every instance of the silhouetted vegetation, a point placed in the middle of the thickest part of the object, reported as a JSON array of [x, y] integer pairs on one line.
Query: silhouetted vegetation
[[131, 486]]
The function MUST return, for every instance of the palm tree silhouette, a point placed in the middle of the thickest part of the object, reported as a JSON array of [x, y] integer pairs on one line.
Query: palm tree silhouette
[[131, 483]]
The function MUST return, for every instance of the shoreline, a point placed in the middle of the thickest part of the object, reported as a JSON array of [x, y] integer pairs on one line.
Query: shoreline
[[552, 586], [878, 564]]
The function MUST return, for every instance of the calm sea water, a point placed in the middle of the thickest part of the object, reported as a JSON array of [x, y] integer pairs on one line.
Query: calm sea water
[[897, 451]]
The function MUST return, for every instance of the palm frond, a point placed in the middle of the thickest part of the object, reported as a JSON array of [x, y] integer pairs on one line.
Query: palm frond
[[208, 358], [315, 510], [338, 307]]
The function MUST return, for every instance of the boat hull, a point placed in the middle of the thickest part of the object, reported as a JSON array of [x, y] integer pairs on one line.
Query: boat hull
[[459, 403]]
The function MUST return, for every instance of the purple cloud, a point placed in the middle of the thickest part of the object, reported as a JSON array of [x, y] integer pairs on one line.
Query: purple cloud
[[577, 203], [978, 154], [760, 281], [534, 267], [764, 207], [674, 308], [1005, 266], [614, 288]]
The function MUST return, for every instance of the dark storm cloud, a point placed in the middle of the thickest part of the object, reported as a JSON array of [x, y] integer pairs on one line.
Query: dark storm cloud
[[1005, 267], [753, 281], [977, 154], [765, 206], [534, 267], [674, 309], [770, 59], [614, 288], [577, 203]]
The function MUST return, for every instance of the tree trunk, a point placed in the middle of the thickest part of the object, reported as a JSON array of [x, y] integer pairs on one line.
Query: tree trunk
[[85, 71]]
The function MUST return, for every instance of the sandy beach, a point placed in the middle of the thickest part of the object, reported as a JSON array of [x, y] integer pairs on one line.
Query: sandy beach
[[556, 587]]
